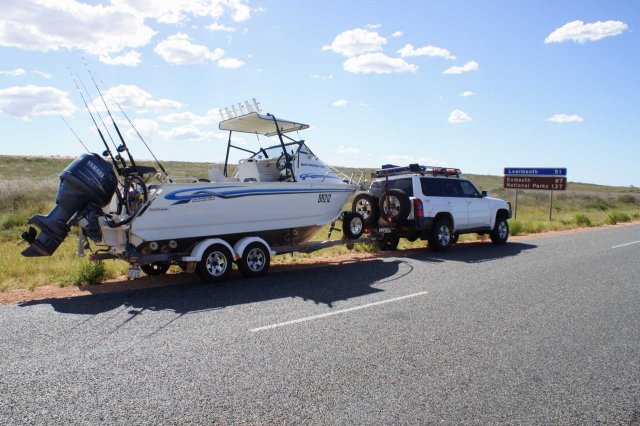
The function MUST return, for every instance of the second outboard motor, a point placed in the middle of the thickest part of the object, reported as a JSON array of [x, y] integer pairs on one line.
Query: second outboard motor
[[89, 179]]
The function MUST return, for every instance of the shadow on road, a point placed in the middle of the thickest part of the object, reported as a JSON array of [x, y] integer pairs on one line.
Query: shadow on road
[[475, 252], [324, 284]]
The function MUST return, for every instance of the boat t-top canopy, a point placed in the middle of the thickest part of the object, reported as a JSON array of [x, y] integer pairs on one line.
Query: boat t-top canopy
[[260, 124]]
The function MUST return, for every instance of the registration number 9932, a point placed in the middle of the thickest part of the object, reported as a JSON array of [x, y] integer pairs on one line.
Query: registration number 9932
[[324, 198]]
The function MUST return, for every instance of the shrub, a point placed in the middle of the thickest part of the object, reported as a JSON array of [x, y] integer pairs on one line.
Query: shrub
[[515, 227], [599, 204], [582, 220], [89, 273], [617, 217], [627, 199], [14, 220]]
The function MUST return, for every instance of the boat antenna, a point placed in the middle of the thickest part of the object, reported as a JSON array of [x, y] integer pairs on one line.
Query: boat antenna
[[106, 145], [73, 131], [124, 146], [137, 132]]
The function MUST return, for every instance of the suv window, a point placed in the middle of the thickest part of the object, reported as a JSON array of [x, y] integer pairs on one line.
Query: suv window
[[405, 184], [434, 187], [468, 190]]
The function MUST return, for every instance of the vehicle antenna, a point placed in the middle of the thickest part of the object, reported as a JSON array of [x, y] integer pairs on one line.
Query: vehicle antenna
[[73, 131], [106, 145], [137, 132], [124, 144]]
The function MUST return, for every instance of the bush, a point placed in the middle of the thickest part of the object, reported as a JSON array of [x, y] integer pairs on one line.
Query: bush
[[515, 227], [617, 217], [14, 220], [599, 204], [89, 273], [582, 220], [627, 199]]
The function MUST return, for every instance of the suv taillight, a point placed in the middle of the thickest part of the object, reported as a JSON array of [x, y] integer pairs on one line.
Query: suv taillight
[[418, 209]]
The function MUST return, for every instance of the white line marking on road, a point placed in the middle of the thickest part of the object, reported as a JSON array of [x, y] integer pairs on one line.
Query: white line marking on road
[[341, 311], [627, 244]]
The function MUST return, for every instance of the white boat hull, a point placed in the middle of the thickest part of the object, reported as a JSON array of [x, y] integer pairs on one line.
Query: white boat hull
[[185, 211]]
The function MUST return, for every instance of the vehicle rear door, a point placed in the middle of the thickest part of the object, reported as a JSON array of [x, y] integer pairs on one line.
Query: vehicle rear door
[[478, 207]]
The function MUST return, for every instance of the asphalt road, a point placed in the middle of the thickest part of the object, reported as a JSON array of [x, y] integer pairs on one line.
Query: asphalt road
[[544, 330]]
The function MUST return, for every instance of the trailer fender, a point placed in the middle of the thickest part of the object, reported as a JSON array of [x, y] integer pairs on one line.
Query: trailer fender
[[238, 248], [198, 250]]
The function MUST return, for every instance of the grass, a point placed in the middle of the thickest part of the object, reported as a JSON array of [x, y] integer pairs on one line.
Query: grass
[[582, 205]]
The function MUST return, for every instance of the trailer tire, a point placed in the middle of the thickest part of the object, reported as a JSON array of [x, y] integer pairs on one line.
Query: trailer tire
[[395, 205], [367, 206], [215, 265], [156, 268], [352, 225], [255, 260]]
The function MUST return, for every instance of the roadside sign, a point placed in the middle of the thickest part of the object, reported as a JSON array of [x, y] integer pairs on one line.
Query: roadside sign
[[548, 183], [535, 171]]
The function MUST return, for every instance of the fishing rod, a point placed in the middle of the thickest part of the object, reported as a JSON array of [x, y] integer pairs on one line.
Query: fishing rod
[[73, 131], [104, 141], [124, 144], [118, 156], [133, 126]]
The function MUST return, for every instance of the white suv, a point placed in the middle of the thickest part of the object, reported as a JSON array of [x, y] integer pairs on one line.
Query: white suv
[[431, 203]]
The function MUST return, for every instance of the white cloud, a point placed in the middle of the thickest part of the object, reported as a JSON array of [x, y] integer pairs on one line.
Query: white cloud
[[469, 66], [356, 41], [467, 93], [26, 102], [580, 32], [43, 74], [134, 98], [178, 49], [373, 26], [565, 118], [54, 25], [377, 63], [409, 50], [322, 77], [458, 116], [220, 27], [14, 73], [179, 11], [148, 128], [189, 132], [212, 116], [397, 34], [230, 63], [432, 162], [130, 59], [340, 103], [348, 150]]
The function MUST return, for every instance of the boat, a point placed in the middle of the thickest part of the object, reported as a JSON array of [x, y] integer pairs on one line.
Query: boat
[[278, 196]]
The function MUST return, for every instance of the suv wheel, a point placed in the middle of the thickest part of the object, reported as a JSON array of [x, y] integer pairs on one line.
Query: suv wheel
[[441, 235], [367, 206], [500, 232]]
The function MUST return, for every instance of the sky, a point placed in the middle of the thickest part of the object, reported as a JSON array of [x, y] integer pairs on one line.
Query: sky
[[479, 85]]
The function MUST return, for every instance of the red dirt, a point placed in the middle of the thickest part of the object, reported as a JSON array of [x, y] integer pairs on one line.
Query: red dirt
[[122, 284]]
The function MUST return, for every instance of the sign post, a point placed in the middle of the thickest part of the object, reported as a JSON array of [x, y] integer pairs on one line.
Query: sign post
[[543, 178]]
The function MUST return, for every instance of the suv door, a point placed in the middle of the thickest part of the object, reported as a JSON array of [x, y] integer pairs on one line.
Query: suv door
[[478, 207], [444, 195]]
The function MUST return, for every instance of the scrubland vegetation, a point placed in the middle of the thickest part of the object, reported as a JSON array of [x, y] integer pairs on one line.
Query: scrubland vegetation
[[28, 186]]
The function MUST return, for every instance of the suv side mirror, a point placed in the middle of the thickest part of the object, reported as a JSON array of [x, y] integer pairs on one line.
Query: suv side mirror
[[484, 194]]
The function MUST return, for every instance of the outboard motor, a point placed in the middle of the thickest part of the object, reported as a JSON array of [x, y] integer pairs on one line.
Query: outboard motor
[[89, 179]]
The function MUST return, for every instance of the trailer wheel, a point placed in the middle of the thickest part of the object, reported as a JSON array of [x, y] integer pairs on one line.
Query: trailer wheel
[[352, 225], [255, 260], [215, 264], [156, 268]]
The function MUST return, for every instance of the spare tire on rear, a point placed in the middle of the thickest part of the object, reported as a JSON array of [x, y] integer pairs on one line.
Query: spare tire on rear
[[395, 205], [367, 206]]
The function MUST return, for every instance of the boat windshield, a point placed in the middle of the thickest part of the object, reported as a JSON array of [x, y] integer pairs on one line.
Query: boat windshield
[[275, 151]]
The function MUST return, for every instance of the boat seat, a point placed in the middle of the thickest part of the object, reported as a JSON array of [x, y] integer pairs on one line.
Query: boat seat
[[216, 175]]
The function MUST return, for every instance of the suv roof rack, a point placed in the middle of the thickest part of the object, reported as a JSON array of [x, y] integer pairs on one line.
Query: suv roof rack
[[391, 170]]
